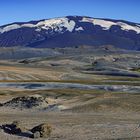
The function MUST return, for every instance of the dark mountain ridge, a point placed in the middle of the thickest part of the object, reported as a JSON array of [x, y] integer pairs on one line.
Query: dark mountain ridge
[[71, 31]]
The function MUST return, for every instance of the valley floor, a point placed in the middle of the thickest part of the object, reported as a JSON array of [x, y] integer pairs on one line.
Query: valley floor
[[89, 95], [78, 126]]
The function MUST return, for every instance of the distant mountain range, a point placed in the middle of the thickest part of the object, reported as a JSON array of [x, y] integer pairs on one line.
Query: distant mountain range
[[71, 31]]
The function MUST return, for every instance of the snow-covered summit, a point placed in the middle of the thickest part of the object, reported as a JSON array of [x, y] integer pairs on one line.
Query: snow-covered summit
[[59, 24], [71, 31]]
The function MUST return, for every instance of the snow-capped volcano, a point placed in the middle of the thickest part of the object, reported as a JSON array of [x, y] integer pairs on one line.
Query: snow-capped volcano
[[71, 31], [58, 24]]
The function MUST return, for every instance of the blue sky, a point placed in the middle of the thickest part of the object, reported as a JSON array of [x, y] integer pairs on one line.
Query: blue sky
[[26, 10]]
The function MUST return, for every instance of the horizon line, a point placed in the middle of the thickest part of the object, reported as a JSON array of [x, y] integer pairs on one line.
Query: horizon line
[[34, 20]]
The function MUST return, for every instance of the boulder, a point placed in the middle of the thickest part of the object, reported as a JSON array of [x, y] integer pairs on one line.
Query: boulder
[[13, 128], [44, 130], [36, 135]]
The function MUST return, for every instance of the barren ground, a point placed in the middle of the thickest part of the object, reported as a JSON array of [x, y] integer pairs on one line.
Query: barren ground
[[76, 113]]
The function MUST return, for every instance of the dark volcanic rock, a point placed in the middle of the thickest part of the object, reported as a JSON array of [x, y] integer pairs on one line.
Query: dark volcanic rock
[[26, 102], [44, 130], [13, 128]]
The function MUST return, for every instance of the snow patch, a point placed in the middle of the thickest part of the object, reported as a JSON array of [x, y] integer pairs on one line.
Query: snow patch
[[58, 24], [28, 25], [87, 20], [127, 27], [38, 29], [70, 25], [103, 23], [79, 29], [10, 27], [106, 25]]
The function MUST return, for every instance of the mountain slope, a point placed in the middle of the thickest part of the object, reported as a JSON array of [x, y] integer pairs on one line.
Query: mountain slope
[[71, 31]]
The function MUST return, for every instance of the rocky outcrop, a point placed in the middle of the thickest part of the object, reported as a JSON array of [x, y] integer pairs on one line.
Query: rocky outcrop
[[13, 128], [16, 128], [43, 130], [27, 102]]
